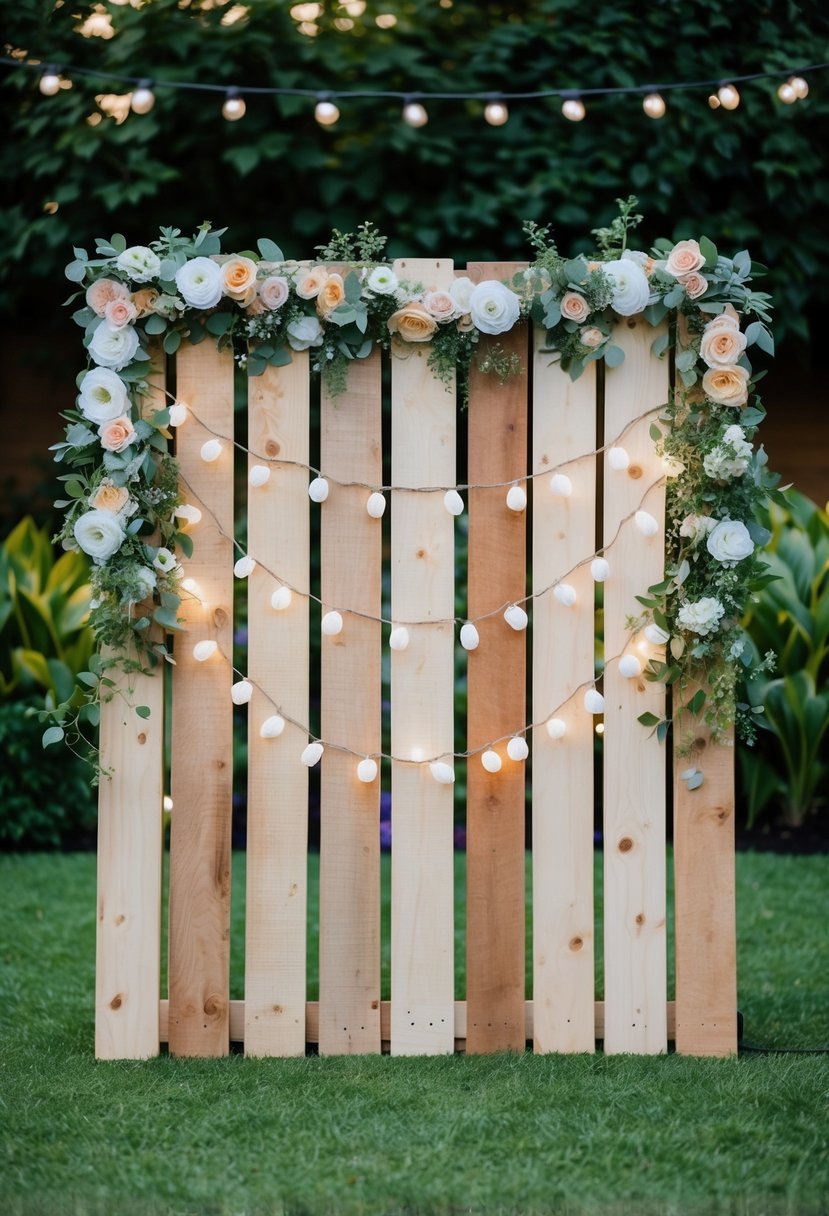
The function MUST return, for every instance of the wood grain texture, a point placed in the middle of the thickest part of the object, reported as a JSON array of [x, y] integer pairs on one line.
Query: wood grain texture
[[634, 761], [422, 696], [564, 429], [497, 702], [202, 755], [351, 450], [278, 665]]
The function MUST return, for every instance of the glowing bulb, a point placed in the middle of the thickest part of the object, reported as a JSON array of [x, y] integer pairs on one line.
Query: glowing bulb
[[178, 413], [618, 459], [367, 770], [517, 748], [443, 773], [272, 727], [326, 113], [561, 485], [187, 512], [491, 761], [714, 101], [204, 650], [241, 692], [672, 467], [565, 594], [332, 624], [516, 499], [600, 569], [655, 635], [573, 109], [728, 97], [787, 94], [376, 505], [800, 86], [470, 638], [189, 584], [167, 803], [556, 728], [399, 638], [312, 754], [281, 598], [629, 666], [234, 106], [453, 502], [646, 523], [516, 618], [245, 566], [211, 451], [654, 105], [318, 490], [143, 98], [415, 114], [496, 113], [594, 701], [49, 83], [259, 475], [599, 728]]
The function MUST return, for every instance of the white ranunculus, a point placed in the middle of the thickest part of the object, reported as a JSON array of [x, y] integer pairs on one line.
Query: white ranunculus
[[461, 292], [382, 281], [701, 616], [200, 282], [695, 527], [730, 542], [631, 289], [304, 332], [139, 262], [111, 347], [493, 307], [102, 396], [638, 256], [100, 534]]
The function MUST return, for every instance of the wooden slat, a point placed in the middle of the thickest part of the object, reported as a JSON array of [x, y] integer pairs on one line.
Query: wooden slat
[[202, 758], [496, 674], [422, 696], [351, 450], [277, 823], [706, 931], [634, 762], [564, 430]]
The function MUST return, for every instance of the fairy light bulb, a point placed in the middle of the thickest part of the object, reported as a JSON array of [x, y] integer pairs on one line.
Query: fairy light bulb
[[442, 772], [453, 502], [516, 499], [714, 101], [178, 413], [600, 569], [189, 585], [167, 804], [573, 109], [326, 113], [376, 505], [496, 113], [561, 485], [618, 459], [556, 728], [646, 523], [516, 618], [332, 624], [414, 114], [491, 761], [470, 638], [202, 651], [49, 83], [599, 728], [312, 754], [728, 97], [629, 666], [800, 87], [565, 594], [787, 94], [399, 638], [241, 692], [187, 512], [654, 105], [259, 475], [211, 451], [367, 770], [244, 567], [594, 701], [272, 727], [517, 749], [234, 106], [656, 635], [318, 490], [281, 598], [143, 98]]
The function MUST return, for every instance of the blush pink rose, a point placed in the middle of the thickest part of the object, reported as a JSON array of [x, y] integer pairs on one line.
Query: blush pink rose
[[120, 313], [273, 292], [117, 434], [574, 307], [695, 284], [684, 258], [440, 305], [591, 337], [104, 291]]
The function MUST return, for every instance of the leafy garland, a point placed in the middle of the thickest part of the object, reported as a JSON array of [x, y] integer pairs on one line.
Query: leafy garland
[[123, 505]]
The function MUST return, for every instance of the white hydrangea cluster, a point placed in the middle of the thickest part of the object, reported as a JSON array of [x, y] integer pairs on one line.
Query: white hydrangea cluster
[[701, 616], [730, 458]]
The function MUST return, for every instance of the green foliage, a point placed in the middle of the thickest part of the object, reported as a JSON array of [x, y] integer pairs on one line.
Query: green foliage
[[791, 617]]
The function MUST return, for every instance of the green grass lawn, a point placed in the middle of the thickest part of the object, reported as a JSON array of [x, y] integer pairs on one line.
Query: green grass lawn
[[505, 1134]]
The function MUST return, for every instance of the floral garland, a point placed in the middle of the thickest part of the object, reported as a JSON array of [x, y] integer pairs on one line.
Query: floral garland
[[123, 506]]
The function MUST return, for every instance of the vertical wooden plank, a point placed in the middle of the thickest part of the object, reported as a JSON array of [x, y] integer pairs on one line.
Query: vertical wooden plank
[[634, 762], [128, 947], [706, 931], [351, 450], [277, 863], [496, 675], [564, 531], [422, 696], [202, 758]]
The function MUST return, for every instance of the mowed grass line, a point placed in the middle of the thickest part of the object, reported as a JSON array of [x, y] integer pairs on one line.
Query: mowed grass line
[[506, 1134]]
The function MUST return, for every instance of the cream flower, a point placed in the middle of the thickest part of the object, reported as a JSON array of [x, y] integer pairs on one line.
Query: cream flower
[[412, 323], [109, 497], [144, 301], [304, 332], [493, 307], [99, 534], [273, 292], [103, 292], [117, 434], [631, 289], [119, 313], [721, 344], [111, 347], [310, 282], [102, 396], [382, 281], [331, 294], [200, 283], [591, 337], [726, 385], [461, 292], [695, 284], [684, 258], [440, 305], [574, 307], [730, 542], [239, 278], [701, 616], [139, 262], [695, 527]]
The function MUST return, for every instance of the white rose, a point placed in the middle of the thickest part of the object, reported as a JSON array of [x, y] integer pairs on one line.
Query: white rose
[[701, 616], [304, 332], [493, 307], [730, 542], [100, 534], [382, 281], [200, 282], [111, 347], [631, 289], [139, 262], [695, 527], [461, 292], [103, 396]]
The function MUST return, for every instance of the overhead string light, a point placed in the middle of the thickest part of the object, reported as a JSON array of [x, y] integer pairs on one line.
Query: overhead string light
[[143, 98], [234, 106], [414, 113], [49, 83], [573, 108], [325, 112], [496, 113]]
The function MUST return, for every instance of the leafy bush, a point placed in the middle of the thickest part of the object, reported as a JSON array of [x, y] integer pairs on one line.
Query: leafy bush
[[791, 617]]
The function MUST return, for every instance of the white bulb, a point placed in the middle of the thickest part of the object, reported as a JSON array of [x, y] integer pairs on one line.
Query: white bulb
[[399, 638], [728, 97], [312, 754], [561, 485], [272, 727], [367, 770], [281, 598], [443, 773], [517, 748], [800, 86], [376, 505], [787, 94], [49, 84], [332, 624], [516, 498], [241, 692], [573, 109], [178, 413], [326, 113], [189, 584], [259, 475], [187, 512], [211, 451], [204, 650], [655, 635], [142, 100], [167, 803], [491, 761], [234, 109], [629, 666], [453, 502], [556, 728], [496, 113], [618, 459], [415, 114], [565, 594], [245, 566], [593, 701], [318, 490], [600, 569], [516, 618], [654, 105], [470, 638], [646, 523]]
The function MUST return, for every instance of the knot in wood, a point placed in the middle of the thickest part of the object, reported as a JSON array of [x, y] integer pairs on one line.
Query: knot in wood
[[116, 1001], [220, 617], [272, 448], [213, 1005], [576, 943], [142, 738], [635, 471], [640, 919], [625, 844]]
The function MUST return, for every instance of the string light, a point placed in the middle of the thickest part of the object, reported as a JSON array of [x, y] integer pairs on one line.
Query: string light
[[241, 692], [318, 490], [516, 618], [599, 728], [272, 727], [470, 638], [234, 106], [202, 651], [646, 523], [565, 594], [453, 502], [629, 666], [167, 804], [496, 113], [49, 83], [491, 761], [600, 569], [414, 113], [594, 701], [517, 748], [367, 770], [259, 475], [443, 773], [312, 754], [143, 98], [573, 109], [178, 413], [618, 459], [655, 635], [399, 638], [556, 728], [211, 451], [787, 94], [190, 585], [728, 96], [561, 485], [654, 105], [714, 101], [326, 113], [189, 513], [800, 87], [332, 624], [376, 506], [516, 499], [281, 598], [244, 567]]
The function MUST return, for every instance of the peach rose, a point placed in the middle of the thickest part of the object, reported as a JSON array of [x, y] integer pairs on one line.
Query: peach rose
[[412, 323], [722, 345], [591, 337], [109, 497], [695, 284], [239, 279], [120, 313], [727, 319], [684, 258], [574, 307], [103, 291], [330, 294], [273, 292], [117, 434], [144, 301], [726, 385], [309, 283], [440, 305]]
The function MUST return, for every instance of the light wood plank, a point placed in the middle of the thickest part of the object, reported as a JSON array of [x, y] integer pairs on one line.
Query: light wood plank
[[202, 758], [278, 664], [564, 429], [351, 450], [496, 674], [634, 762], [422, 695]]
